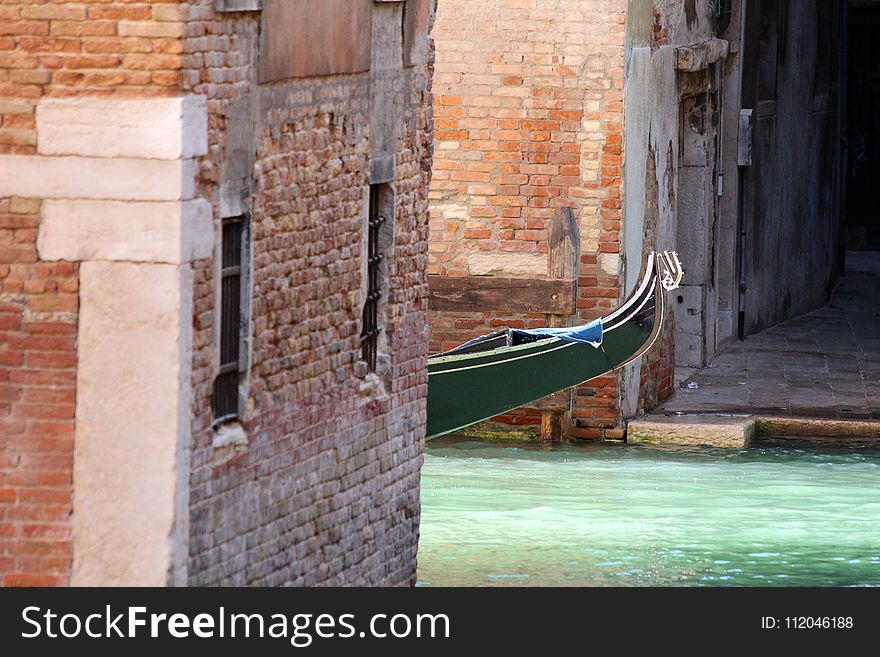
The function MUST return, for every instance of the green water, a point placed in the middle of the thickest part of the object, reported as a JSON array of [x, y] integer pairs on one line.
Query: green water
[[780, 514]]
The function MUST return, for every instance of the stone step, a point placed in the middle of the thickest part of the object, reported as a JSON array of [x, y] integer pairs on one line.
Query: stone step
[[738, 431], [734, 431]]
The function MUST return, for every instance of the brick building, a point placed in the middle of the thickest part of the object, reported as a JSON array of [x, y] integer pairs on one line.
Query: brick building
[[529, 124], [208, 374], [613, 127]]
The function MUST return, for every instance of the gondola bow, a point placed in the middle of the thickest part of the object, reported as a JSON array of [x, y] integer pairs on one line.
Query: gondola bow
[[507, 369]]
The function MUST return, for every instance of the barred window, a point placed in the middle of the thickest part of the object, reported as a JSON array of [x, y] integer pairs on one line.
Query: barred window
[[371, 329], [225, 397]]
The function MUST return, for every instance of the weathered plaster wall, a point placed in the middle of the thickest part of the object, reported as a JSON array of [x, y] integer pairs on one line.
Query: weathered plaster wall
[[682, 22], [651, 140], [677, 69], [652, 120]]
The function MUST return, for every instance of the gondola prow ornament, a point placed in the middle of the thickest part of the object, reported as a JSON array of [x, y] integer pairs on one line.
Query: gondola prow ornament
[[673, 273], [507, 369]]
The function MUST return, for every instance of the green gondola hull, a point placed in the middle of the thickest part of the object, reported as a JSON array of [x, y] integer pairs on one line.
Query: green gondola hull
[[465, 389]]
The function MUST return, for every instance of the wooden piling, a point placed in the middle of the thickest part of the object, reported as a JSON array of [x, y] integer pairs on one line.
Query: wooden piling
[[562, 264]]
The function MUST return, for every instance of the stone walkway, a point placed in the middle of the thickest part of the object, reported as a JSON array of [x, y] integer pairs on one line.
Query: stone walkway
[[825, 364]]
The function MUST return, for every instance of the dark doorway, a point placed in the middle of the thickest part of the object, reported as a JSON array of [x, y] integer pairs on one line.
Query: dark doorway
[[862, 218], [790, 206]]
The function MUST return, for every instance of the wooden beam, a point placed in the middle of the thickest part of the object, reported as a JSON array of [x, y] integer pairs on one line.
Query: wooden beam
[[496, 294]]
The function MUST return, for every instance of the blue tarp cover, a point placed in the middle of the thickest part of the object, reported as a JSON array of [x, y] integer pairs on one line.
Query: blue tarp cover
[[585, 333]]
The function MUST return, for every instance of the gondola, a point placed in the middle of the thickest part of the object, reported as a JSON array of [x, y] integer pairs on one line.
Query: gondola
[[504, 370]]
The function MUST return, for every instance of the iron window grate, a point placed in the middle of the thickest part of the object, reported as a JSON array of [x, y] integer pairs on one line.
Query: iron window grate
[[370, 326], [225, 395]]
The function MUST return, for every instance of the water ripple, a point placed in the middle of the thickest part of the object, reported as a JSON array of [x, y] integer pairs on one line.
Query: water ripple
[[598, 515]]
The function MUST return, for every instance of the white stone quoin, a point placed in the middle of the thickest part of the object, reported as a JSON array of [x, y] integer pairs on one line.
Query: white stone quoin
[[170, 232], [121, 178], [157, 129], [132, 416], [118, 182]]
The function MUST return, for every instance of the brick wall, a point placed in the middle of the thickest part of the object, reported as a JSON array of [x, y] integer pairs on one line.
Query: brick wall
[[529, 118], [326, 490], [54, 49], [82, 48], [38, 314]]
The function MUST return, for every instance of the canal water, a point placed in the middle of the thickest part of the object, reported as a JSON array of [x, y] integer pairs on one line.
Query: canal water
[[783, 513]]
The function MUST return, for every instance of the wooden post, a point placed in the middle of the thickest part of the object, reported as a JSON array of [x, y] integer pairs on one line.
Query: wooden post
[[565, 246], [563, 264]]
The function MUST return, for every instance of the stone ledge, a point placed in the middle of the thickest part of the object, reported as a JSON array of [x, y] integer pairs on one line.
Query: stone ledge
[[817, 427], [151, 128], [489, 430], [699, 56], [70, 177], [164, 232], [711, 430], [738, 431]]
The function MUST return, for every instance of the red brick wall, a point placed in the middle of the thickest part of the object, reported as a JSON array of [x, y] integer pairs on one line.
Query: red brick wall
[[326, 490], [88, 47], [529, 119], [38, 315]]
